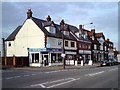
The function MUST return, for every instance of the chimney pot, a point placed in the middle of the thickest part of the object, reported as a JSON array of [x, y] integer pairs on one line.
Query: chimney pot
[[62, 24], [80, 28], [48, 18], [29, 13]]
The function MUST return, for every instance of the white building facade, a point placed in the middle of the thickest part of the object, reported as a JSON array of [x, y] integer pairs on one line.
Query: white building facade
[[39, 42]]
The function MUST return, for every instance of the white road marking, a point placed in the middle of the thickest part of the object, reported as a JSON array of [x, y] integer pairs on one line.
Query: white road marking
[[73, 79], [33, 74], [113, 69], [56, 81], [26, 75], [9, 78], [96, 73], [55, 71], [42, 86], [17, 76]]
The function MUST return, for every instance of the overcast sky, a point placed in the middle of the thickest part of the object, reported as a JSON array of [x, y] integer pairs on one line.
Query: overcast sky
[[104, 15]]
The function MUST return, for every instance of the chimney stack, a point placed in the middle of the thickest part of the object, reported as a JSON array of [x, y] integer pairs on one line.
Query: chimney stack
[[93, 30], [80, 28], [108, 39], [29, 14], [62, 24], [48, 18]]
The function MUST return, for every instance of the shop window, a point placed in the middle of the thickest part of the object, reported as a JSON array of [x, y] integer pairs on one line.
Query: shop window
[[35, 57], [72, 44], [56, 58], [66, 43]]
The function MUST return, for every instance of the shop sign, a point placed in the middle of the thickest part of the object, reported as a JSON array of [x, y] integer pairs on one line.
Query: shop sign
[[36, 49], [54, 50]]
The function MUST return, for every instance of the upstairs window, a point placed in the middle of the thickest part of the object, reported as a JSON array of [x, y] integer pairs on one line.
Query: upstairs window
[[95, 46], [66, 33], [52, 30], [89, 47], [105, 48], [9, 44], [80, 45], [92, 37], [101, 47], [72, 44], [59, 43], [66, 43]]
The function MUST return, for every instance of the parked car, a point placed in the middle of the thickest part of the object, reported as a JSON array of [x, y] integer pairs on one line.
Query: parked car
[[106, 63]]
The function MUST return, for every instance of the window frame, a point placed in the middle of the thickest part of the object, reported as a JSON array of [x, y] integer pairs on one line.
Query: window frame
[[66, 43], [72, 44]]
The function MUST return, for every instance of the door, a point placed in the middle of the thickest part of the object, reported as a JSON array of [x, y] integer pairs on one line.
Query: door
[[45, 59]]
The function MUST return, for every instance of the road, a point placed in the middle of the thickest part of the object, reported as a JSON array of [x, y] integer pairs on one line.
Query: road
[[99, 77]]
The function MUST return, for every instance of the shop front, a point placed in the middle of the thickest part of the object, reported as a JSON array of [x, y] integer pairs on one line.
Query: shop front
[[95, 55], [44, 57], [70, 57], [86, 55]]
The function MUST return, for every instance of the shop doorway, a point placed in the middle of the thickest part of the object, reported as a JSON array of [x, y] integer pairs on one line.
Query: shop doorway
[[45, 59]]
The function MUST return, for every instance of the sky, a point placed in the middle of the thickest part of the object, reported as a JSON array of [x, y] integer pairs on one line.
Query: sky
[[104, 15]]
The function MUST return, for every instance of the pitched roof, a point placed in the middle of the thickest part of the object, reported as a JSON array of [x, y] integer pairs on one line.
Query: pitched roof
[[58, 34], [99, 35], [73, 28], [11, 37], [41, 24], [108, 41], [91, 33], [48, 23]]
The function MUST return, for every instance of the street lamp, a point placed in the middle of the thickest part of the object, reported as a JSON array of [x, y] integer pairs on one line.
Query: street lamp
[[86, 24], [63, 51]]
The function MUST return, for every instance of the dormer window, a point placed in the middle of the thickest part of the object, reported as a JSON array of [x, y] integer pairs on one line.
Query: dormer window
[[52, 30], [92, 37], [66, 33]]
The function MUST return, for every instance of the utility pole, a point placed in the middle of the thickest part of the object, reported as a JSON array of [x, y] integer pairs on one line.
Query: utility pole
[[63, 51]]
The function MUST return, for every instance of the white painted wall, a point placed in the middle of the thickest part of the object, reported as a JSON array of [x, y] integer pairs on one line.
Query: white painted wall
[[53, 43], [69, 45], [29, 36], [10, 50]]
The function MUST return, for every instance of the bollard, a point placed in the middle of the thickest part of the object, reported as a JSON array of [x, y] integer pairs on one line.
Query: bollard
[[82, 62]]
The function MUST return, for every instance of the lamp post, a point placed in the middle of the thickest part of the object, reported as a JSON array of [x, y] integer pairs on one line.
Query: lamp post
[[86, 24], [63, 51], [84, 40]]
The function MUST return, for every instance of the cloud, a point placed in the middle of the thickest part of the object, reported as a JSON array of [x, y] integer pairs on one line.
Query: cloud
[[103, 15]]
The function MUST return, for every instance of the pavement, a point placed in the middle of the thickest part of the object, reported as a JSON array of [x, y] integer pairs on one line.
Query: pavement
[[52, 68]]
